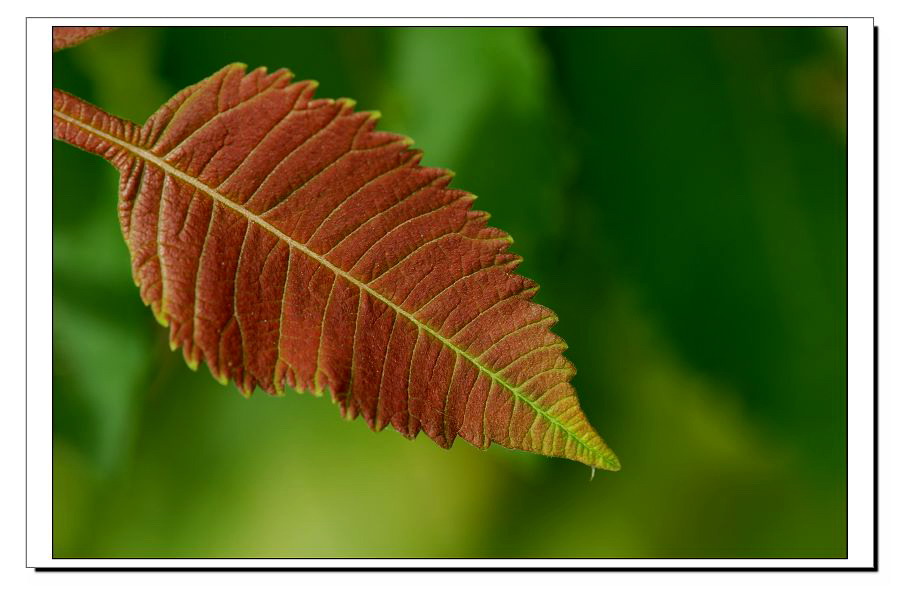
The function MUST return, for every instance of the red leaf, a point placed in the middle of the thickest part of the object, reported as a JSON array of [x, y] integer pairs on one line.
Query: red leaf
[[286, 241], [64, 37]]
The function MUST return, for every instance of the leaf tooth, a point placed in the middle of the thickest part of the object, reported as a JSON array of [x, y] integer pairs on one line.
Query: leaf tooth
[[347, 105], [284, 73], [159, 314], [192, 362], [479, 215], [530, 288], [415, 157], [222, 377], [513, 262], [465, 201]]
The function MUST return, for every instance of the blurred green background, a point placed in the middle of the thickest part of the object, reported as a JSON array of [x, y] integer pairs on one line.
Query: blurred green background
[[679, 194]]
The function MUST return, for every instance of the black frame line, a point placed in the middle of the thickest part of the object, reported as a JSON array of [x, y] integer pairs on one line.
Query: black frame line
[[875, 565]]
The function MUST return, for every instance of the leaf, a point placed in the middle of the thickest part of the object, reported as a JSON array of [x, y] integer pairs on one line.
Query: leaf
[[286, 242], [64, 37]]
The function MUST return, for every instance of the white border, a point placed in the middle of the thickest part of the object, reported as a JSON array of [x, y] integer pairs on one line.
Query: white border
[[860, 303]]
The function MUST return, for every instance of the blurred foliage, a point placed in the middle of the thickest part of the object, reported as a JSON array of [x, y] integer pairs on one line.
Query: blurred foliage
[[679, 194]]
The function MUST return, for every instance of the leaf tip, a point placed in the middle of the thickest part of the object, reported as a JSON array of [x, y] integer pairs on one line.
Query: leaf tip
[[609, 461], [159, 315]]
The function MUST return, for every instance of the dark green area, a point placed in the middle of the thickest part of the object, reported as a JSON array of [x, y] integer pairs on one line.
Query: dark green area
[[678, 193]]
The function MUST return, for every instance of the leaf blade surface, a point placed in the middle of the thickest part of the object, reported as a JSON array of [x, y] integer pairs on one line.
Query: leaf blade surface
[[286, 242]]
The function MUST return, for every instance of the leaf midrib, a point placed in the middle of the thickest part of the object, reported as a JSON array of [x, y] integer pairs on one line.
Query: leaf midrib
[[225, 201]]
